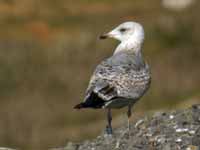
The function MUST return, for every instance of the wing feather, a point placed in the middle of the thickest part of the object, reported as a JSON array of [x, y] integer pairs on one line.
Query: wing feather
[[110, 81]]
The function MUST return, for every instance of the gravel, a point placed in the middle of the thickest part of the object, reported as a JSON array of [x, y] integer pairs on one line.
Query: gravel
[[175, 130]]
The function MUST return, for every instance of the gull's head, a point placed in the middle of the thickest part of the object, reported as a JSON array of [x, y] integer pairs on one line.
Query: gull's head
[[126, 31]]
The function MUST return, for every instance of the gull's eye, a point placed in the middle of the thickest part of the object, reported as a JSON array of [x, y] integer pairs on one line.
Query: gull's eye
[[122, 29]]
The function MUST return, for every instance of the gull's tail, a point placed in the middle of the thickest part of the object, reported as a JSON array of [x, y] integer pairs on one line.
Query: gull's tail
[[79, 106], [93, 101]]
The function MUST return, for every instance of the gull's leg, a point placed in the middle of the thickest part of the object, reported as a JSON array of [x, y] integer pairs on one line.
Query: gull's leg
[[109, 119], [129, 116], [128, 129]]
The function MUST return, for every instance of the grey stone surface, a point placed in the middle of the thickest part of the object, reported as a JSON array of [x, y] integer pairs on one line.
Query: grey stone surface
[[163, 131], [6, 148]]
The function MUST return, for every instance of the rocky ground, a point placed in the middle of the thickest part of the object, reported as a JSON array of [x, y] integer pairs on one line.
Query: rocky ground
[[176, 130]]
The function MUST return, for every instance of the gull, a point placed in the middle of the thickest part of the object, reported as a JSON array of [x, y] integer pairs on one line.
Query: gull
[[122, 79]]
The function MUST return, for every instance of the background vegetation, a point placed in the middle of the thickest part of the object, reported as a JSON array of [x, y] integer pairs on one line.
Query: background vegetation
[[48, 50]]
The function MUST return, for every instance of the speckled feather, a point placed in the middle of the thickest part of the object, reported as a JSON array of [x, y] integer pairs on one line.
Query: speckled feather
[[125, 74]]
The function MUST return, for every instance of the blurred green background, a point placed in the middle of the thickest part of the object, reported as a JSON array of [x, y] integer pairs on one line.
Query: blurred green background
[[49, 49]]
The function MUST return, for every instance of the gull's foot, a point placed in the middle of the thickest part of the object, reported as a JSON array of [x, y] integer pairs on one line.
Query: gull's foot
[[109, 130]]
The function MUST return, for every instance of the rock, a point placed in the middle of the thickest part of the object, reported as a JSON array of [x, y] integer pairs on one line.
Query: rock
[[162, 131], [6, 148], [69, 146], [177, 5]]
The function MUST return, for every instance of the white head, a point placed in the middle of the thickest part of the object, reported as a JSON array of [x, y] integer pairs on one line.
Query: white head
[[130, 34]]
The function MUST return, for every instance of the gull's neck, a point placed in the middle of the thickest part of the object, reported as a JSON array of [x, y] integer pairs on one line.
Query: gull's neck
[[129, 46]]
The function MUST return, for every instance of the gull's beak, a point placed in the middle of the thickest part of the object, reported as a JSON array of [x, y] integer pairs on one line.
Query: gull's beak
[[107, 35], [103, 36]]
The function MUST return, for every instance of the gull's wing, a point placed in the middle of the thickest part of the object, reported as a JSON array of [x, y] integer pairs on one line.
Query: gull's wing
[[101, 82], [117, 77], [117, 81]]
